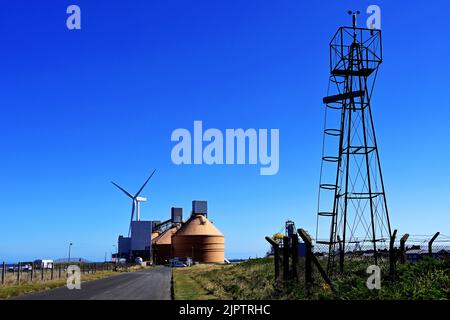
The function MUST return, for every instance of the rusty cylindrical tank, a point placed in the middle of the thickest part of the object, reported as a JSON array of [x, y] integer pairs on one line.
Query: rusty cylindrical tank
[[162, 246], [199, 239]]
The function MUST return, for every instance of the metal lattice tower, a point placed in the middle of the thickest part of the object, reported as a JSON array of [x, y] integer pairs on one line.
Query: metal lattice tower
[[352, 207]]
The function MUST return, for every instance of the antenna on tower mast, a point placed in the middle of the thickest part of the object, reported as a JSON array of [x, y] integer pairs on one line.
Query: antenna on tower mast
[[354, 14]]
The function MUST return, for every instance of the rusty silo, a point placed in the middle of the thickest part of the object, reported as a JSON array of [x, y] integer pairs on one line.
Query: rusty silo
[[200, 239], [162, 246]]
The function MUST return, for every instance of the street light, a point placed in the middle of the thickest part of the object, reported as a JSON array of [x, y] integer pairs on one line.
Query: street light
[[70, 245]]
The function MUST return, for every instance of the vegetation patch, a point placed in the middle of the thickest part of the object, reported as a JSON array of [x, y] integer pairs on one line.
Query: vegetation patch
[[254, 279], [186, 286]]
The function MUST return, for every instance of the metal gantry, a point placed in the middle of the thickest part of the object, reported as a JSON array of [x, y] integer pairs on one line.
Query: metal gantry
[[352, 207]]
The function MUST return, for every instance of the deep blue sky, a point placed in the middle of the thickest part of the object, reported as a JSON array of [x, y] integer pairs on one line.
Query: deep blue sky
[[82, 108]]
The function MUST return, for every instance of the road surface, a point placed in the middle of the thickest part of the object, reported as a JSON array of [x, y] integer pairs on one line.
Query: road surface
[[149, 284]]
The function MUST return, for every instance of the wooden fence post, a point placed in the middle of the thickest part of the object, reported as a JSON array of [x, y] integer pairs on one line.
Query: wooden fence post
[[276, 253], [3, 272], [430, 244], [285, 258], [294, 255], [308, 258], [42, 271], [18, 272], [392, 258], [313, 259], [402, 248]]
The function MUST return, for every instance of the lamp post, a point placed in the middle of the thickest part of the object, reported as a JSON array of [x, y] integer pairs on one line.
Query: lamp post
[[70, 245]]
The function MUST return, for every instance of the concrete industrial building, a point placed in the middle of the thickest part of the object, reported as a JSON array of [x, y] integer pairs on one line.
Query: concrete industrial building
[[138, 244]]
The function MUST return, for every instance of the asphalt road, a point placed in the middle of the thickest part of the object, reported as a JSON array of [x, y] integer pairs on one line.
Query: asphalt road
[[149, 284]]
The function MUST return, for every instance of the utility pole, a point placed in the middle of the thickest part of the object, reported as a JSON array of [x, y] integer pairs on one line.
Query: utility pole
[[70, 245]]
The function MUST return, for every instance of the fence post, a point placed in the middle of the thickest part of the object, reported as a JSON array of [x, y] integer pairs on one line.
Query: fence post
[[42, 271], [308, 258], [51, 277], [18, 273], [430, 244], [3, 272], [285, 258], [402, 248], [59, 271], [294, 254], [341, 255], [276, 253], [32, 271], [392, 256]]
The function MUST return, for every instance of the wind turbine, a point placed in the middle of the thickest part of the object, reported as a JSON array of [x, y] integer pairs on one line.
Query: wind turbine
[[136, 200]]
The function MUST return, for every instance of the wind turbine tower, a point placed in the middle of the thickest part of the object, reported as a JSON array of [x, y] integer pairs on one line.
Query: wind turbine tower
[[136, 200], [138, 242]]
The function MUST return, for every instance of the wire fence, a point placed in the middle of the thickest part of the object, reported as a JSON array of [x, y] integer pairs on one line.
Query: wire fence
[[412, 247], [314, 264], [29, 272]]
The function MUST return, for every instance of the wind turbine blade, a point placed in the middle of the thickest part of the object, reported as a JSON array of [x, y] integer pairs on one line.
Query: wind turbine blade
[[123, 190], [131, 220], [143, 186]]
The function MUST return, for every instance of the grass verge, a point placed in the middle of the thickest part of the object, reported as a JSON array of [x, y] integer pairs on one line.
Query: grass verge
[[428, 279], [185, 285]]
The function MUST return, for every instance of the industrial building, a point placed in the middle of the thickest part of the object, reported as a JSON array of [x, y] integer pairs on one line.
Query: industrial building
[[196, 240], [138, 244]]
